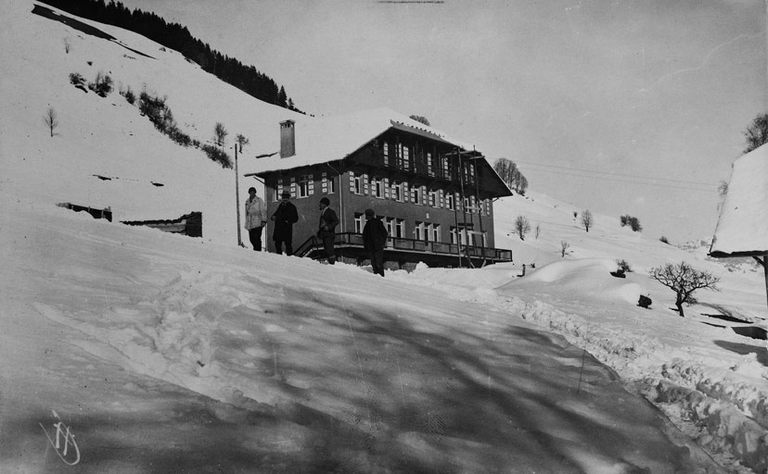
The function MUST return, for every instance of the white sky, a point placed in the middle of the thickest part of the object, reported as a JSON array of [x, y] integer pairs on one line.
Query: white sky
[[650, 98]]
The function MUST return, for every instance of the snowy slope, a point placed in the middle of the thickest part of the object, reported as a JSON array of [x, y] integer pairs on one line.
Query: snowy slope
[[163, 352]]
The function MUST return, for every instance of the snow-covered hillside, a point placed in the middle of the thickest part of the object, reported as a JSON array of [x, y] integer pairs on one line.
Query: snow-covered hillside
[[169, 353]]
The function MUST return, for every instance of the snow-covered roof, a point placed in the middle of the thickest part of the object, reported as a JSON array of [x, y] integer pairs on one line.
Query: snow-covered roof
[[742, 228], [324, 139]]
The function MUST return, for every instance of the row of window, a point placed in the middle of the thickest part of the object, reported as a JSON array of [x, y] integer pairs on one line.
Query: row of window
[[399, 156], [426, 231], [304, 186], [382, 188]]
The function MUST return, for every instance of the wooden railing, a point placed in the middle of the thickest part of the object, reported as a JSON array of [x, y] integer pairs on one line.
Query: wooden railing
[[350, 239]]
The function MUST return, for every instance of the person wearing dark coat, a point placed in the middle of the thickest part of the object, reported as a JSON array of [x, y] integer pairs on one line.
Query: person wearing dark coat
[[374, 240], [327, 229], [284, 218]]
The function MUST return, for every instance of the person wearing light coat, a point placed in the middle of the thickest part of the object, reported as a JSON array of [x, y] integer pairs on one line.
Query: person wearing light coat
[[255, 218]]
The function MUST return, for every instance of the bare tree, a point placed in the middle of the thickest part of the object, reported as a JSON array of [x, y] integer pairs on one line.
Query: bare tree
[[757, 133], [683, 280], [51, 119], [420, 118], [67, 45], [220, 133], [586, 219], [564, 248], [522, 226]]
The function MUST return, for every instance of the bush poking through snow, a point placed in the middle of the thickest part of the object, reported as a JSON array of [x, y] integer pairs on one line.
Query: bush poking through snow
[[77, 79], [161, 116], [586, 219], [220, 134], [564, 248], [623, 265], [664, 239], [632, 222], [218, 155], [683, 280], [130, 96], [102, 85]]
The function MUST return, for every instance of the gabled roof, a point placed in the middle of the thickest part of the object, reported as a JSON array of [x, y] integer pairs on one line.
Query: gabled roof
[[325, 139], [742, 228]]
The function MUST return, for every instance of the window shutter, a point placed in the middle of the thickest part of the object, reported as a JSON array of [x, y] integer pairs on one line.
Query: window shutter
[[386, 188], [365, 184]]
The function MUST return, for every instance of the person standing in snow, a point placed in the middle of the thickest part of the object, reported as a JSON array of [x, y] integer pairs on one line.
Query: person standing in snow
[[284, 218], [255, 218], [374, 239], [327, 229]]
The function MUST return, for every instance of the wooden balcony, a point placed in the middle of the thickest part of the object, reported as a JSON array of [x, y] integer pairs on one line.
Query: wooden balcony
[[402, 250]]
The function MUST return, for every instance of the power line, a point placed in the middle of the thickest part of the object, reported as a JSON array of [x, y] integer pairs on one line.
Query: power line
[[620, 177], [617, 174]]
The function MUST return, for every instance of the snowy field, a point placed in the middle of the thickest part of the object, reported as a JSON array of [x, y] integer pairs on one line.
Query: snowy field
[[163, 353]]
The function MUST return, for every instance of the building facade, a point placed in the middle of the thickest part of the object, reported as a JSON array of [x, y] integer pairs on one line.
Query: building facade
[[434, 197]]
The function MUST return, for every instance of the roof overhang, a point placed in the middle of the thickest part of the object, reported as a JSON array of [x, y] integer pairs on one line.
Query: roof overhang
[[742, 227]]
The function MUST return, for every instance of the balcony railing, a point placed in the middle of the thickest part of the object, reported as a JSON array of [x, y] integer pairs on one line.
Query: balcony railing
[[399, 244]]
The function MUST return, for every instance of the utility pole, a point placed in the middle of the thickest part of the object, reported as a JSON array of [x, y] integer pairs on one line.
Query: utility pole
[[237, 199]]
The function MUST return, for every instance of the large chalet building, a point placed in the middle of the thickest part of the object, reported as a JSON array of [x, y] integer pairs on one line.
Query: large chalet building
[[434, 195]]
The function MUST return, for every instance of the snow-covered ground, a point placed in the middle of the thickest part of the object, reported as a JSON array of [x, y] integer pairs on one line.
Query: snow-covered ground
[[163, 353]]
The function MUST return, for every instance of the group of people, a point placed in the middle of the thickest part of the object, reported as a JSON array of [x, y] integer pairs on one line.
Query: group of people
[[374, 234]]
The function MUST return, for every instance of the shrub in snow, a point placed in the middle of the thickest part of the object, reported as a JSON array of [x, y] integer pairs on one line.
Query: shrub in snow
[[218, 155], [130, 96], [564, 248], [623, 265], [586, 219], [156, 111], [664, 239], [220, 133], [683, 280], [522, 226], [632, 222], [102, 85], [78, 81]]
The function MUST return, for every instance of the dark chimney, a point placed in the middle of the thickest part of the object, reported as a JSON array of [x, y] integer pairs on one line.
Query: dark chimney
[[287, 139]]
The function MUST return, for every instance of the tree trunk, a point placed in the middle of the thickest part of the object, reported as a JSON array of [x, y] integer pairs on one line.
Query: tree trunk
[[679, 305]]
